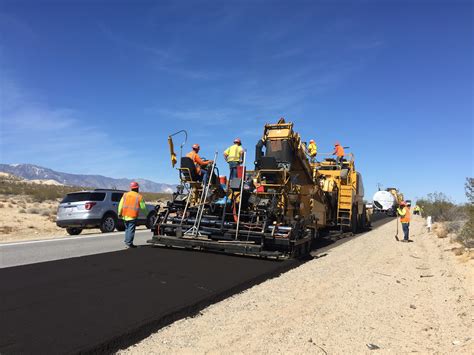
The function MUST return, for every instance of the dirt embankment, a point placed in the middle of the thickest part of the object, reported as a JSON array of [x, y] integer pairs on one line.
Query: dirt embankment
[[369, 292], [21, 218]]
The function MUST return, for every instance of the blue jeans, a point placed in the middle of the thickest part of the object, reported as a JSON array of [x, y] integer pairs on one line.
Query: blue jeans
[[406, 230], [233, 169], [204, 174], [130, 231]]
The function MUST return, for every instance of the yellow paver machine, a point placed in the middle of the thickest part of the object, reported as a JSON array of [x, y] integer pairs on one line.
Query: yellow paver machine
[[275, 210]]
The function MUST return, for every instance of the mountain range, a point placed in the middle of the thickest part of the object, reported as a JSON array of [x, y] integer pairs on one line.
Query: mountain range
[[35, 172]]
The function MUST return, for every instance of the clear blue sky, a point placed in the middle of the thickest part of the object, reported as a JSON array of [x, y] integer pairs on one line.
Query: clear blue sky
[[97, 86]]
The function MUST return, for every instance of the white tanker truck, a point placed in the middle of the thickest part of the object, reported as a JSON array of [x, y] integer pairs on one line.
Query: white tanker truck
[[386, 201]]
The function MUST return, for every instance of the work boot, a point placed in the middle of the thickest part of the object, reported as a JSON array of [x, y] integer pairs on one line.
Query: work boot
[[130, 246]]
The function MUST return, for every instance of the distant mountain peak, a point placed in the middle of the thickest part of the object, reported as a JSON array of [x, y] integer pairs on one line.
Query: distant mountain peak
[[36, 172]]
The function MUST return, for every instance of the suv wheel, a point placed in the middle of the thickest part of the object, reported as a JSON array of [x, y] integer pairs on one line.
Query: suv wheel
[[108, 223], [74, 231]]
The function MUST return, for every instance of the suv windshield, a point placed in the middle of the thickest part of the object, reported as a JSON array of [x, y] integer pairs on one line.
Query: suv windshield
[[84, 196]]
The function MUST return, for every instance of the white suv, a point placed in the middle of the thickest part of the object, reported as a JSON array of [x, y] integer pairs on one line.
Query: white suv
[[96, 209]]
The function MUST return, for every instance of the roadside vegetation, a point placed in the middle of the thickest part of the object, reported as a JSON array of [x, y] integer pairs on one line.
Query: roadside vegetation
[[14, 186], [37, 192], [454, 219]]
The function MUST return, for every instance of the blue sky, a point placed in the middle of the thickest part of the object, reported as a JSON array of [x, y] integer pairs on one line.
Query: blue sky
[[97, 86]]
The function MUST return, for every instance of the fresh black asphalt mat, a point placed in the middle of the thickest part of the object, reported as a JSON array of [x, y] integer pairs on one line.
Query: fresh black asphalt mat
[[101, 303]]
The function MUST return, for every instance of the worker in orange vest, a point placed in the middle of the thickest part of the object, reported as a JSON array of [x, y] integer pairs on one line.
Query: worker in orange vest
[[129, 207], [404, 212], [199, 163], [339, 153]]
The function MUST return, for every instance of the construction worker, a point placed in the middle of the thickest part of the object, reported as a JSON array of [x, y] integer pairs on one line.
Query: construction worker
[[416, 210], [129, 207], [234, 156], [404, 214], [199, 163], [312, 150], [339, 153]]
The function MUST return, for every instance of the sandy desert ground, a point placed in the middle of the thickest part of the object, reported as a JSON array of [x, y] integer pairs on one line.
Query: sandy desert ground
[[23, 219]]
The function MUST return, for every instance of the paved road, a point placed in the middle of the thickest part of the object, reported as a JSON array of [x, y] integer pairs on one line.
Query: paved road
[[99, 303], [22, 253]]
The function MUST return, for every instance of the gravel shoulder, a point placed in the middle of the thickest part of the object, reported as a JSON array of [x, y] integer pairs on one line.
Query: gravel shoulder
[[401, 297]]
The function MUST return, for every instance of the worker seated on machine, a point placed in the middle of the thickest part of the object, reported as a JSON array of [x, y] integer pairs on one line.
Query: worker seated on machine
[[201, 165]]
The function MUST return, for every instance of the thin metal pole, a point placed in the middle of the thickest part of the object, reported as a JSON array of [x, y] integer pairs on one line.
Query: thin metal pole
[[186, 207], [209, 179], [241, 192]]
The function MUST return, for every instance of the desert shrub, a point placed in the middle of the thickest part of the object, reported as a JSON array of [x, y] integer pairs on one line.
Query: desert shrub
[[6, 229], [45, 212], [22, 210], [36, 192], [441, 208], [2, 205], [155, 196], [466, 236], [33, 210]]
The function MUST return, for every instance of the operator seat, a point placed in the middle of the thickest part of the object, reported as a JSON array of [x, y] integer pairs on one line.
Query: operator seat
[[187, 171]]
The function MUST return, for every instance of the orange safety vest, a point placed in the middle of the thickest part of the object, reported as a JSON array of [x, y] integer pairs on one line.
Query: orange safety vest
[[406, 217], [192, 154], [339, 151], [131, 204]]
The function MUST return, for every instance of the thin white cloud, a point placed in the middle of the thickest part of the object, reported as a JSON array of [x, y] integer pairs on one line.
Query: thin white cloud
[[32, 131]]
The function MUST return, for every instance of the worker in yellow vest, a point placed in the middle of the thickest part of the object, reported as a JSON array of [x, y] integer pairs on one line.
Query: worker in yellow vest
[[416, 210], [234, 156], [129, 208], [312, 150], [404, 212]]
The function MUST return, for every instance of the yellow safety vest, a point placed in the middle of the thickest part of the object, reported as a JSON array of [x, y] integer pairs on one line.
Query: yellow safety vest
[[233, 153], [312, 149]]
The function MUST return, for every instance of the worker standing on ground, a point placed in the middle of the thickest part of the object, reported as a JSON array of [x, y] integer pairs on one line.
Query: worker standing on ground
[[339, 153], [404, 214], [416, 210], [200, 164], [312, 150], [129, 208], [234, 156]]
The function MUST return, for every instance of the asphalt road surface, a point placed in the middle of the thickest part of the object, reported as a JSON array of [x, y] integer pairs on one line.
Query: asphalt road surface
[[103, 302]]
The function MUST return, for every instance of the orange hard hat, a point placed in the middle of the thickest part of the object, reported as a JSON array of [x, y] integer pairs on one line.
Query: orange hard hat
[[196, 146], [134, 185], [237, 140], [337, 143], [311, 140]]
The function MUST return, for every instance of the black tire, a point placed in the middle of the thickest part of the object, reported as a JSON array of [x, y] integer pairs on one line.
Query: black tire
[[363, 219], [150, 219], [74, 231], [108, 223], [354, 220]]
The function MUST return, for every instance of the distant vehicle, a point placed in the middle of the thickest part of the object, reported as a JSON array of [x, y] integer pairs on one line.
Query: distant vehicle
[[385, 201], [96, 209]]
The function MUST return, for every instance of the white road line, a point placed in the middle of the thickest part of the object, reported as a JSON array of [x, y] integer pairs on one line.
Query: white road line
[[48, 240]]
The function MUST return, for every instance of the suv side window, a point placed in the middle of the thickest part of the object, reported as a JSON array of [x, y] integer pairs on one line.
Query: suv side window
[[116, 196]]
